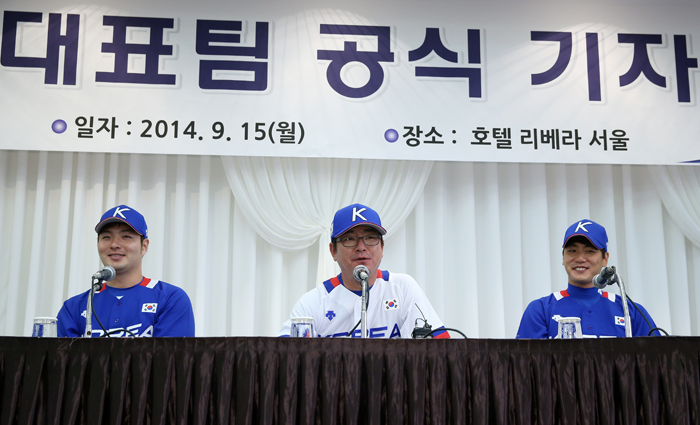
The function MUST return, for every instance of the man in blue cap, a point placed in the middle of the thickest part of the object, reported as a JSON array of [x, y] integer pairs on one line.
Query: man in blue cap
[[129, 304], [395, 300], [585, 252]]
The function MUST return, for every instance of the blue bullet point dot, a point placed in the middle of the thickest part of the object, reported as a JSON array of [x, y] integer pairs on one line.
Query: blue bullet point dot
[[391, 135], [59, 126]]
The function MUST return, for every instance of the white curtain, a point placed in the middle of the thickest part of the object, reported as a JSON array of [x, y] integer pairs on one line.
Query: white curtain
[[482, 239], [679, 188], [290, 202]]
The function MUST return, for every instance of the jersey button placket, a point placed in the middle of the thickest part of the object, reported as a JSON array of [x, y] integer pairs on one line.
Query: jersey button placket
[[589, 326], [119, 303]]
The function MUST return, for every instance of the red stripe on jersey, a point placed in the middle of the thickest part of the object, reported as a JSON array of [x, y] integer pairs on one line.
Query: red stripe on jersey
[[145, 281], [379, 274], [335, 281], [561, 294]]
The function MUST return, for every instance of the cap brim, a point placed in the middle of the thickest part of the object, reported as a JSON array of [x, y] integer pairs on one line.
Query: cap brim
[[583, 235], [380, 229], [110, 220]]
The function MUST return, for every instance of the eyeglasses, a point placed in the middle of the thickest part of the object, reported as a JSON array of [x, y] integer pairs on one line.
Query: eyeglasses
[[353, 241]]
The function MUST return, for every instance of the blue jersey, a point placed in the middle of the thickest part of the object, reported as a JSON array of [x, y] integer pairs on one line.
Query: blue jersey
[[601, 314], [151, 308], [394, 302]]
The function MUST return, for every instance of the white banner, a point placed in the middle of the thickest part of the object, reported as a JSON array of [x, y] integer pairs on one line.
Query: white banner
[[507, 81]]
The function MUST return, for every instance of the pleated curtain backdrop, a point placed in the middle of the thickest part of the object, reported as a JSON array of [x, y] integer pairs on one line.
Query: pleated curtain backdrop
[[246, 237], [291, 201]]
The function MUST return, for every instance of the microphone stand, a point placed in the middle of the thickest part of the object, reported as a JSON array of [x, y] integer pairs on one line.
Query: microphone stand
[[625, 307], [363, 316], [604, 274], [88, 312]]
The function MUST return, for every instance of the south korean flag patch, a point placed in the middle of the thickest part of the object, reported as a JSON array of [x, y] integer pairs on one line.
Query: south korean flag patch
[[149, 308], [620, 321], [391, 304]]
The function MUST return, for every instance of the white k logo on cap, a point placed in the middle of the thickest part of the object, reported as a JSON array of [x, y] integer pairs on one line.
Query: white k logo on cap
[[580, 226], [356, 213], [118, 211]]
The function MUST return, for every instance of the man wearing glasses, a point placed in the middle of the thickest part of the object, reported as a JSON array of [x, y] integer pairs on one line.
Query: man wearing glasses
[[395, 299]]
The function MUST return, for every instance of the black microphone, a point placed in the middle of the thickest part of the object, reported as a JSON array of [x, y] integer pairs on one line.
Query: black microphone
[[360, 273], [605, 277], [106, 274], [421, 332]]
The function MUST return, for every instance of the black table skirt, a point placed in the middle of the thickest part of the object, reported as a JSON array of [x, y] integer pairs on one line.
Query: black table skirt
[[349, 381]]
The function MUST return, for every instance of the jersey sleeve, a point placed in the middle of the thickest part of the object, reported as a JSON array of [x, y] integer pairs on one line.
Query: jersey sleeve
[[67, 325], [534, 321], [419, 307], [177, 318], [640, 327]]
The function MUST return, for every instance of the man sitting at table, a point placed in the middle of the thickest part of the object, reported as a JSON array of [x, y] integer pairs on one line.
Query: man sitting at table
[[601, 313], [395, 300], [130, 304]]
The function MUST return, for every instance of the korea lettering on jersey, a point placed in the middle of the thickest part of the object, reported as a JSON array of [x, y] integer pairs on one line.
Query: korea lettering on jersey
[[344, 310], [572, 309], [126, 315], [151, 308], [391, 312], [133, 330], [600, 320], [129, 331], [134, 316]]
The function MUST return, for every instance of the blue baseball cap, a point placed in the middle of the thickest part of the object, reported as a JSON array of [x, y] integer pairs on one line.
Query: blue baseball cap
[[124, 214], [591, 230], [355, 215]]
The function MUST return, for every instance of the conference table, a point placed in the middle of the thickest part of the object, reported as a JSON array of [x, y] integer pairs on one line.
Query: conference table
[[260, 380]]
